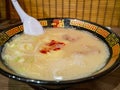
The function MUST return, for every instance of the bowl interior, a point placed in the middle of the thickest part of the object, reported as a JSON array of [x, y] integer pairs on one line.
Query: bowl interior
[[110, 38]]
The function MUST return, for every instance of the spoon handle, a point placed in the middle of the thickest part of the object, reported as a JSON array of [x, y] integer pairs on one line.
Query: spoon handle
[[19, 10]]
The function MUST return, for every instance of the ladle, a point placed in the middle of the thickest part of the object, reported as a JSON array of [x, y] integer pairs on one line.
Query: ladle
[[31, 25]]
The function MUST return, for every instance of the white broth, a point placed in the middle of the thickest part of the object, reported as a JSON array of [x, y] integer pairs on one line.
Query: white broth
[[59, 54]]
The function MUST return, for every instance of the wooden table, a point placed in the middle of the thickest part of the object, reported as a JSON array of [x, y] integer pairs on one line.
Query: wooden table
[[110, 81]]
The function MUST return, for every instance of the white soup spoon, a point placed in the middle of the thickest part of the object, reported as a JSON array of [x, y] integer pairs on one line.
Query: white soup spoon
[[31, 25]]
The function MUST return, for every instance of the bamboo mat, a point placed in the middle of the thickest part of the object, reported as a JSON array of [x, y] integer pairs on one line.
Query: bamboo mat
[[2, 9], [104, 12]]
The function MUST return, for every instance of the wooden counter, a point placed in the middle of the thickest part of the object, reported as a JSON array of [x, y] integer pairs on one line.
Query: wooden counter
[[110, 81]]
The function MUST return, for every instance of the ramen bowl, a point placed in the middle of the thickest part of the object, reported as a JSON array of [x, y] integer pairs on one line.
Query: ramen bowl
[[106, 35]]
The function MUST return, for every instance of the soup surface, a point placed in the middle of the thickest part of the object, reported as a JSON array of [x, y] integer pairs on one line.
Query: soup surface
[[59, 54]]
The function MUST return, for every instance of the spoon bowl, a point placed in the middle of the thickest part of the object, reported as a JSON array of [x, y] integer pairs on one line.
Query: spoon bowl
[[31, 25]]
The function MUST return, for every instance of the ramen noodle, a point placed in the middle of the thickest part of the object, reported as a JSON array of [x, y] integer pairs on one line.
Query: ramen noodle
[[58, 54]]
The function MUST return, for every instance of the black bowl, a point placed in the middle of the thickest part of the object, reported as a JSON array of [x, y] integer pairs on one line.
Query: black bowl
[[105, 34]]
